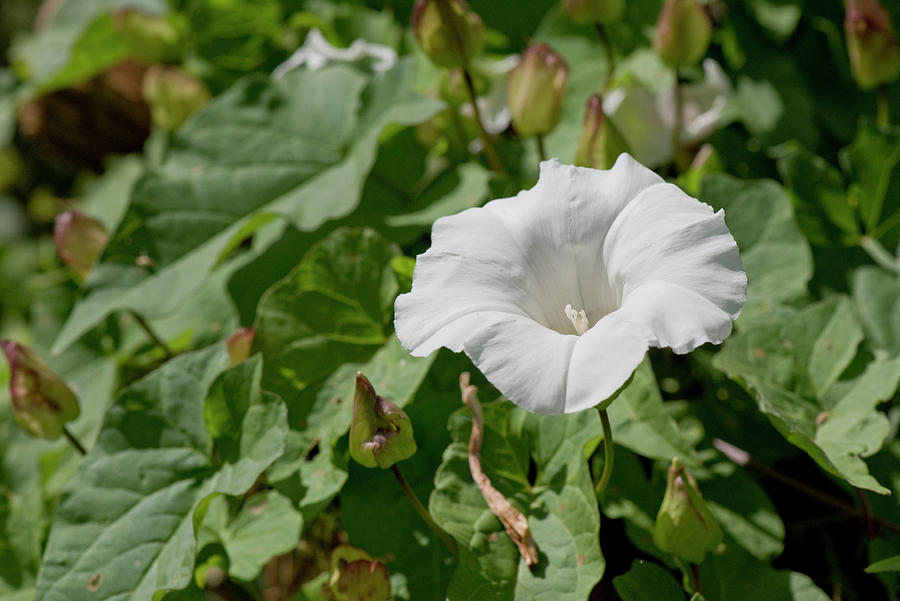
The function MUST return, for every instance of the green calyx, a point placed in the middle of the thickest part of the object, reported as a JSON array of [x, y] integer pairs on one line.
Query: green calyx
[[682, 33], [600, 143], [380, 433], [449, 32], [41, 401], [685, 527]]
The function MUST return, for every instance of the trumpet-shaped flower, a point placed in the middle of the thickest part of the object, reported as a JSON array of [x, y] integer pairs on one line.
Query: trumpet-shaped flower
[[557, 293], [646, 120]]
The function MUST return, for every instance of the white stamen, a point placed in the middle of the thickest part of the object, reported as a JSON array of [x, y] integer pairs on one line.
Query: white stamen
[[578, 318]]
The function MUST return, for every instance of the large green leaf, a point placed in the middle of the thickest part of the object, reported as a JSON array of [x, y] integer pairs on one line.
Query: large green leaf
[[335, 307], [646, 581], [792, 366], [125, 527], [297, 148], [737, 575], [80, 41], [776, 257], [560, 506], [871, 160], [824, 210], [267, 525], [641, 423], [876, 294]]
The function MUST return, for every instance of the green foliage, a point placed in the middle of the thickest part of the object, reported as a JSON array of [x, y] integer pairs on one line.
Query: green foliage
[[296, 205]]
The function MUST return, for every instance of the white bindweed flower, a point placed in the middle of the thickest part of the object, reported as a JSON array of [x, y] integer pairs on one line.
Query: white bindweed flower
[[557, 293], [316, 52], [646, 120]]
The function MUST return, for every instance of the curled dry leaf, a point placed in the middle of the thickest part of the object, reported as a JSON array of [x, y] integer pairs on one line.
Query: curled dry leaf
[[514, 522]]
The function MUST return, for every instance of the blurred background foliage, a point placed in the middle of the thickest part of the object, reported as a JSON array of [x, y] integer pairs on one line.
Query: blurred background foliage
[[81, 127]]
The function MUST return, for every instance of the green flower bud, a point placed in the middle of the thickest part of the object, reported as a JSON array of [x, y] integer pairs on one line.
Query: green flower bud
[[587, 12], [450, 33], [600, 143], [871, 43], [685, 527], [239, 345], [79, 240], [41, 401], [535, 90], [355, 576], [682, 33], [173, 95], [380, 433]]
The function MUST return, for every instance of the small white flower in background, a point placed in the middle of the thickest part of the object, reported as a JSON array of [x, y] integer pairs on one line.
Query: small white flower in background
[[556, 294], [316, 52], [493, 107], [646, 120]]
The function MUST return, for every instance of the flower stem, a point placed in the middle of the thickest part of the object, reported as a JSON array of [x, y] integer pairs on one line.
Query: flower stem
[[423, 513], [540, 145], [743, 458], [883, 108], [152, 335], [74, 441], [608, 452], [610, 58], [489, 151], [695, 579], [879, 254]]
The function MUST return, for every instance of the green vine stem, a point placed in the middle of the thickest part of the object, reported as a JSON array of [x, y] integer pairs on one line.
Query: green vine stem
[[608, 453], [423, 513]]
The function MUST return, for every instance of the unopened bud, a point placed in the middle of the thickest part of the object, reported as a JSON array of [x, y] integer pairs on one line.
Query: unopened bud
[[600, 143], [239, 345], [535, 90], [450, 33], [356, 576], [79, 240], [871, 43], [685, 527], [682, 33], [380, 433], [41, 401], [173, 95], [586, 12]]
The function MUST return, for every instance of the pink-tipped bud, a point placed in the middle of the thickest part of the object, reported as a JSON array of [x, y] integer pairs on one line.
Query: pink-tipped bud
[[79, 240], [41, 401], [682, 33], [685, 527], [871, 43], [239, 345], [587, 12], [173, 95], [535, 90], [449, 32], [600, 143], [356, 576], [380, 433]]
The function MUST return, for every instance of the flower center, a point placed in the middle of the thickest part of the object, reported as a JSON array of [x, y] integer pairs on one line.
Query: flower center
[[578, 318]]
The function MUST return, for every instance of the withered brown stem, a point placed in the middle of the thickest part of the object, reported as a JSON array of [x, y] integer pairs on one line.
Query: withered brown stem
[[514, 522]]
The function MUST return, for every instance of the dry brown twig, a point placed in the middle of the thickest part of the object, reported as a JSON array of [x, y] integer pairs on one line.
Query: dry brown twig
[[514, 522]]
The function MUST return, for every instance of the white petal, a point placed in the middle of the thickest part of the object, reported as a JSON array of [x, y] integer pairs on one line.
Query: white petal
[[472, 267], [634, 112], [667, 237], [603, 360], [560, 226], [525, 361]]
